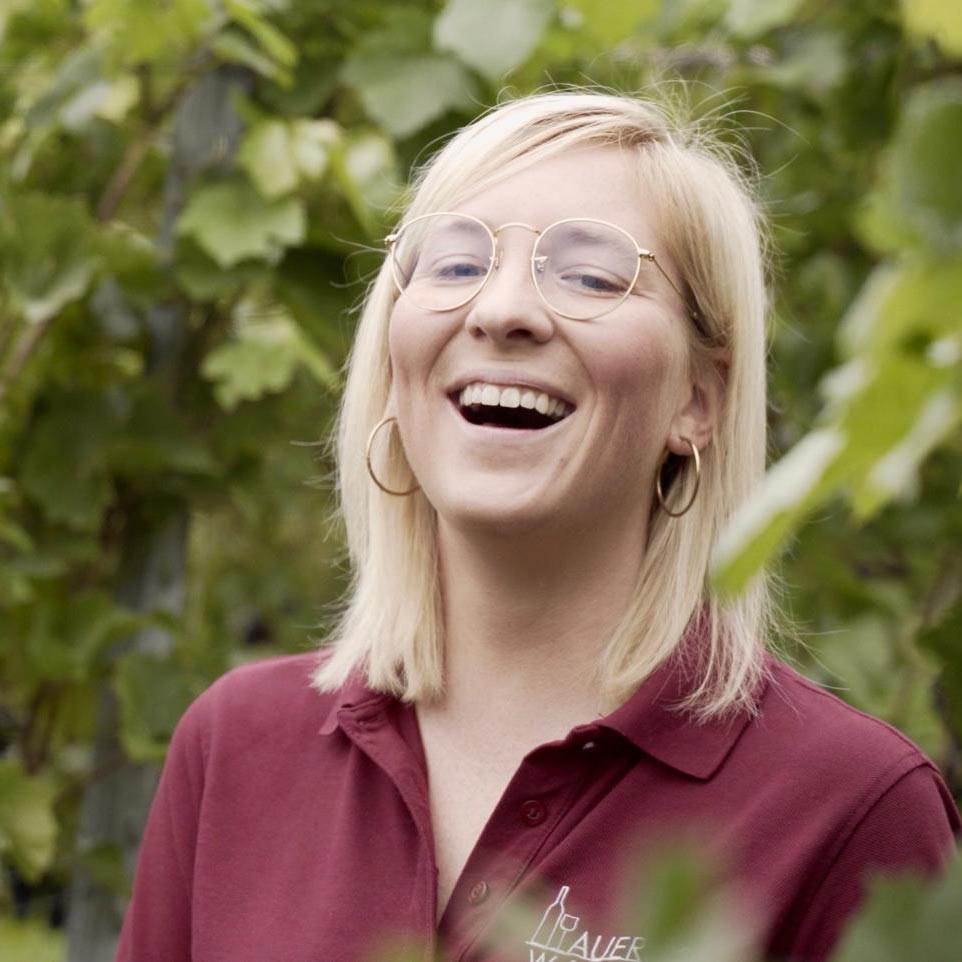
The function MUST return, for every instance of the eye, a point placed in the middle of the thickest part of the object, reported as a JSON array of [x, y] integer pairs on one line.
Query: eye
[[458, 267], [591, 280]]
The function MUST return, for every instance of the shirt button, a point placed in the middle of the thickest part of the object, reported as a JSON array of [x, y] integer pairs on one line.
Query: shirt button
[[479, 892], [533, 812]]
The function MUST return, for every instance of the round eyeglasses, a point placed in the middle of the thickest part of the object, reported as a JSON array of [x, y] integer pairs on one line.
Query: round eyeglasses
[[582, 268]]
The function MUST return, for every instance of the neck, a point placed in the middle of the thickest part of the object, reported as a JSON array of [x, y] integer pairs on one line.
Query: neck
[[526, 619]]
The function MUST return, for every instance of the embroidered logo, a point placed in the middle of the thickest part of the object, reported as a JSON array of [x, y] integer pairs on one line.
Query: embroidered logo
[[560, 937]]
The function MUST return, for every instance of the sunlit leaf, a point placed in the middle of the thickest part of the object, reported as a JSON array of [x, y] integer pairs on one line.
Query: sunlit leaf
[[28, 828], [365, 169], [232, 221], [938, 19], [404, 93], [774, 509], [907, 918], [266, 154], [751, 18], [896, 470], [106, 99], [915, 301], [263, 359], [493, 37], [279, 154], [249, 15], [609, 20], [138, 31], [232, 46]]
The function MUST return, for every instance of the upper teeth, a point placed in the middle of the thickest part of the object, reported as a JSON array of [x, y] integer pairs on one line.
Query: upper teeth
[[491, 395]]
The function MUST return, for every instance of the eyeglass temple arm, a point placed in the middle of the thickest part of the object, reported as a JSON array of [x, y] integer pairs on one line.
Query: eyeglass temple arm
[[692, 313]]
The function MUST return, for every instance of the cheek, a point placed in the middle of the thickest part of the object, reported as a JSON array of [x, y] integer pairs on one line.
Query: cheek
[[641, 372], [411, 346]]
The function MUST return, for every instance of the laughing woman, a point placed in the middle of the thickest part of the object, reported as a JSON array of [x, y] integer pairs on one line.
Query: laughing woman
[[555, 402]]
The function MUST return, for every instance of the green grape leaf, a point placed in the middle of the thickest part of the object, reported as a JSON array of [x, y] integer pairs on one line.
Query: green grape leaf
[[775, 508], [47, 255], [917, 202], [28, 828], [64, 464], [926, 162], [405, 92], [263, 359], [365, 169], [279, 48], [493, 37], [155, 438], [267, 155], [104, 99], [907, 918], [153, 693], [752, 18], [231, 46], [61, 636], [817, 64], [278, 155], [914, 301], [142, 31], [231, 221]]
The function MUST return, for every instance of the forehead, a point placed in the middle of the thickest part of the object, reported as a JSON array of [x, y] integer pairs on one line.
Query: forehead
[[594, 182]]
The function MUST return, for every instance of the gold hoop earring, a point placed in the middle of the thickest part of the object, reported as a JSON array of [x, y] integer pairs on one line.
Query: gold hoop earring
[[370, 467], [694, 493]]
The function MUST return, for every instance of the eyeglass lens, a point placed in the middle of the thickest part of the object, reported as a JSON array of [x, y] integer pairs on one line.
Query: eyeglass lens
[[583, 268]]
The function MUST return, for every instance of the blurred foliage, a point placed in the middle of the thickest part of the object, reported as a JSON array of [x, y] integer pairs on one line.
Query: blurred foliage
[[854, 114]]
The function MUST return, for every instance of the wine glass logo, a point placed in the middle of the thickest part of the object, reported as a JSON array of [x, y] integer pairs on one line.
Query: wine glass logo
[[567, 923]]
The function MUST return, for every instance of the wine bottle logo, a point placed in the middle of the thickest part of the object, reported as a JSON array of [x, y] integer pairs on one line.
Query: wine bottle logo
[[560, 937]]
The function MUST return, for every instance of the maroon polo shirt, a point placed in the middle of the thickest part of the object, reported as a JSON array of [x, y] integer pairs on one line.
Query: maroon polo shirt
[[293, 826]]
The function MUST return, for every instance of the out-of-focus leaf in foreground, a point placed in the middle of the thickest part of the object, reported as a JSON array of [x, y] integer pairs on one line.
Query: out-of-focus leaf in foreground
[[898, 393], [907, 919]]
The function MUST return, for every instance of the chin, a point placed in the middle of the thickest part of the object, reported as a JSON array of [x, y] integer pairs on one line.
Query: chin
[[502, 514]]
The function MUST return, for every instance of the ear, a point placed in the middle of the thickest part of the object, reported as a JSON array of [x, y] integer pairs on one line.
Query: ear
[[700, 412]]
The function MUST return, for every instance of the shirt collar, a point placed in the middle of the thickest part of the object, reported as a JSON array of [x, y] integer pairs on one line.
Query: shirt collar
[[353, 700], [652, 721]]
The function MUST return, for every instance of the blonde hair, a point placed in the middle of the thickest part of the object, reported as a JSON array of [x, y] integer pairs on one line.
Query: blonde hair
[[391, 628]]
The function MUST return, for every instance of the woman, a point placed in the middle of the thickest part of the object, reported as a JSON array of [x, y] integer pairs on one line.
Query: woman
[[555, 401]]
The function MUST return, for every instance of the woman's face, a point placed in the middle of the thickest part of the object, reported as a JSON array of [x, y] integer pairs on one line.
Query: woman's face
[[624, 378]]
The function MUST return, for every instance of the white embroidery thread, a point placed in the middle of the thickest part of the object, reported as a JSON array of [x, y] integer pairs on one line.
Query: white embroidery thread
[[559, 937]]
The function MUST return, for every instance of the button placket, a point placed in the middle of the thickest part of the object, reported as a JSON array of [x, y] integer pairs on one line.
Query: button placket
[[534, 821]]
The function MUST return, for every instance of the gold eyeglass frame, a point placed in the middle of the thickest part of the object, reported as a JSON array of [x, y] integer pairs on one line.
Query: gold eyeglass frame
[[643, 255]]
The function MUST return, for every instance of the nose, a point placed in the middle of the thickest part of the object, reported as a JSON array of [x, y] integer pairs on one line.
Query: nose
[[508, 308]]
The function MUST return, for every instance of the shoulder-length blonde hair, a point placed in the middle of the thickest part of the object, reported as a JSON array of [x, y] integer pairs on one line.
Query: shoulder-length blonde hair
[[709, 224]]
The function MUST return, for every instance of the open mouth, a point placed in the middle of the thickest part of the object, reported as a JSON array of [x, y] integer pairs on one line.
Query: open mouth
[[510, 407]]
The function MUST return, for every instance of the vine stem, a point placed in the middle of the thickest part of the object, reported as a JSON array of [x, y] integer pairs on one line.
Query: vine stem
[[24, 347]]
